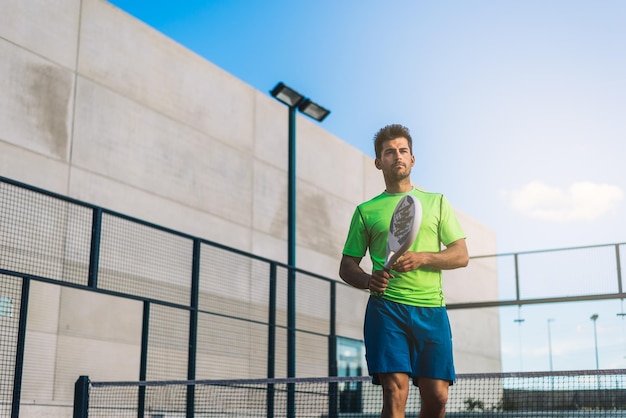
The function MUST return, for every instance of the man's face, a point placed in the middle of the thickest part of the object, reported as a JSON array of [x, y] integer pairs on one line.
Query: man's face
[[396, 160]]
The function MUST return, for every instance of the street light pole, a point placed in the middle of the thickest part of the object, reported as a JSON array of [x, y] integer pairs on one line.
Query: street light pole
[[594, 318], [293, 100], [291, 191], [550, 342]]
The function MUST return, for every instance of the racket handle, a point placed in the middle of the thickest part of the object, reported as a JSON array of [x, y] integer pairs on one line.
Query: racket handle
[[380, 294]]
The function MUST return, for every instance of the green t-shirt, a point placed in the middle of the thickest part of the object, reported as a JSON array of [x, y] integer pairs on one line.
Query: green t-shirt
[[369, 229]]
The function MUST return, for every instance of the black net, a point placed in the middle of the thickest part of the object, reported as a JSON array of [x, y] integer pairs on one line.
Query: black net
[[144, 261], [43, 236], [559, 394], [225, 398]]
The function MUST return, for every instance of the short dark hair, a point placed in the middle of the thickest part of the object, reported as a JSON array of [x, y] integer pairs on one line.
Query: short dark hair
[[390, 132]]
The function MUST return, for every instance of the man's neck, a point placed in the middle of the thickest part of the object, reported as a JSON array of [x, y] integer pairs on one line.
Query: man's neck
[[402, 187]]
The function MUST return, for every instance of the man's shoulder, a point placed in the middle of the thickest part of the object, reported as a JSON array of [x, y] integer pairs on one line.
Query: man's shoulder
[[426, 194], [373, 202], [430, 199]]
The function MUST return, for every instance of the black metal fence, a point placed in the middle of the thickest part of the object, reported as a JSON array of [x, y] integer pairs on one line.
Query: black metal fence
[[200, 309]]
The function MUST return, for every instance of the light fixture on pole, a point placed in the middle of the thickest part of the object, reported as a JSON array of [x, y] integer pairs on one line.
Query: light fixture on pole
[[313, 110], [594, 318], [293, 100]]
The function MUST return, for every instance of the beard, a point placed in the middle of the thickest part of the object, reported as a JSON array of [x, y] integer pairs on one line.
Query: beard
[[399, 174]]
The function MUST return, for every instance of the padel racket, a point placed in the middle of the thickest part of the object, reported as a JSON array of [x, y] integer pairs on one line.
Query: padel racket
[[403, 228]]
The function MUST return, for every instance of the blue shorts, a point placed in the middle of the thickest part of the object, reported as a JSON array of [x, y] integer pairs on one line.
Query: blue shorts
[[408, 339]]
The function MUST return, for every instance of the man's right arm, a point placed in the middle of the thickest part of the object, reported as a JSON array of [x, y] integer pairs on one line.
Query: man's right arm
[[351, 273]]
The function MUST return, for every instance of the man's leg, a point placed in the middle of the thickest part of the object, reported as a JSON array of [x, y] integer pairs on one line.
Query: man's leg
[[395, 394], [434, 394]]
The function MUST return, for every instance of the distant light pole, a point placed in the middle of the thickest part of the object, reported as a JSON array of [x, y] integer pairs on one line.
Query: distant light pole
[[520, 321], [293, 100], [550, 320], [594, 318]]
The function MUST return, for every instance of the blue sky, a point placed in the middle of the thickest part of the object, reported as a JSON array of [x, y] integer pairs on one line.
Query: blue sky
[[517, 108]]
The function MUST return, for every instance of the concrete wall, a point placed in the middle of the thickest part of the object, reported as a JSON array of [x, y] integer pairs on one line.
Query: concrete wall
[[100, 107]]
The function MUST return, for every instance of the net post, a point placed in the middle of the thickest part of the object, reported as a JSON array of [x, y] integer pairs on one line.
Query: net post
[[81, 397]]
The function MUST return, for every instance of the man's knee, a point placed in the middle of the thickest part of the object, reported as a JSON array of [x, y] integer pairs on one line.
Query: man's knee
[[434, 395], [394, 385], [436, 401]]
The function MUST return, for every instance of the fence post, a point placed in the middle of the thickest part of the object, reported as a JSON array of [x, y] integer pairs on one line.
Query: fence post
[[94, 249], [271, 340], [291, 340], [19, 354], [194, 303], [333, 388], [143, 359], [618, 264], [81, 397]]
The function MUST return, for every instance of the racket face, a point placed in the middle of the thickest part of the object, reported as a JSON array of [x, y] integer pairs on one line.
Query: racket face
[[403, 228]]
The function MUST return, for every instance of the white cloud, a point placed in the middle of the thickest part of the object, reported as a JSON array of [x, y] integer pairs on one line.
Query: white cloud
[[581, 201]]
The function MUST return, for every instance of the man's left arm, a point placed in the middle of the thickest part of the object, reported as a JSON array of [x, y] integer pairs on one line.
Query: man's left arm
[[454, 256]]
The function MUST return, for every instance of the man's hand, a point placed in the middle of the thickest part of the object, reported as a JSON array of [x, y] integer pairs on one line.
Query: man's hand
[[452, 257], [379, 281], [410, 261]]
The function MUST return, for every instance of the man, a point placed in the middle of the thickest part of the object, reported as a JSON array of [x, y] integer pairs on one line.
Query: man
[[407, 333]]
